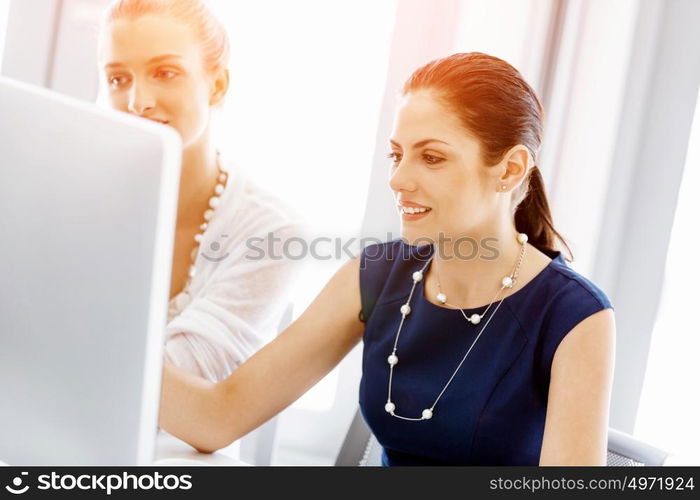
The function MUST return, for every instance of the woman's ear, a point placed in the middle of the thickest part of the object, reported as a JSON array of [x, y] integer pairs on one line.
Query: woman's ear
[[516, 163], [219, 87]]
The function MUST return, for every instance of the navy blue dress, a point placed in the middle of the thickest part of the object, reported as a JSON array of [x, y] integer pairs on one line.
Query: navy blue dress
[[493, 412]]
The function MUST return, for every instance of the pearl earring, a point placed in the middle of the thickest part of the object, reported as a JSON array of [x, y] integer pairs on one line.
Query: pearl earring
[[503, 186]]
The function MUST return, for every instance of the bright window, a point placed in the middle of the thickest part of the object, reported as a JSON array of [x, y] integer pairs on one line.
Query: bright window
[[669, 409], [307, 81], [4, 12], [513, 30]]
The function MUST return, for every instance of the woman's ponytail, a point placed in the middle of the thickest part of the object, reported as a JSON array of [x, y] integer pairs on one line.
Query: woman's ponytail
[[534, 218]]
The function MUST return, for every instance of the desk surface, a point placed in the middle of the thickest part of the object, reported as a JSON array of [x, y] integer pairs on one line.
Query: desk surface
[[173, 451]]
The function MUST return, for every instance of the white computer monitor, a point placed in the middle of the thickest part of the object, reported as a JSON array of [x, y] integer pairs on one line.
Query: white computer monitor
[[88, 203]]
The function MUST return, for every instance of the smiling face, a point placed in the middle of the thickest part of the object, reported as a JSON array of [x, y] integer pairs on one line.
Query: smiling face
[[152, 67], [437, 173]]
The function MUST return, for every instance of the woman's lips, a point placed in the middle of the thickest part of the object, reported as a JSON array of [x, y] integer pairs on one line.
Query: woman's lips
[[412, 211], [411, 217]]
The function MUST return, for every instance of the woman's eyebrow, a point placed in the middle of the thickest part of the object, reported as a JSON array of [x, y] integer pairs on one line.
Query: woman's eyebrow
[[419, 144], [163, 57], [152, 60]]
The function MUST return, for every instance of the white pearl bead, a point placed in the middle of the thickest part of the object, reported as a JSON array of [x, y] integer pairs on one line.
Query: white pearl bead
[[208, 214], [441, 297], [198, 237], [522, 238], [427, 414], [203, 226], [475, 319], [222, 177], [389, 407], [219, 188], [393, 359], [507, 282], [405, 309], [417, 276], [214, 201], [192, 272]]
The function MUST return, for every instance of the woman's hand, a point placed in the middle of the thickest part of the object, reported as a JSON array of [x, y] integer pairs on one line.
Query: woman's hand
[[210, 416]]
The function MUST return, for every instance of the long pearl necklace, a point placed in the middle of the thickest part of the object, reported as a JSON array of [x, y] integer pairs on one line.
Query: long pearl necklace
[[214, 203], [393, 359]]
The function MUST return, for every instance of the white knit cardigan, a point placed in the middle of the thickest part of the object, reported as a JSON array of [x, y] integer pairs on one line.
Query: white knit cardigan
[[241, 287]]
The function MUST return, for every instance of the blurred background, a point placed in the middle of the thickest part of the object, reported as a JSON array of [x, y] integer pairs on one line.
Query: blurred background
[[309, 112]]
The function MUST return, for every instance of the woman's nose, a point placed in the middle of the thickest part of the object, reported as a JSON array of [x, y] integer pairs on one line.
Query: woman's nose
[[401, 178], [140, 101]]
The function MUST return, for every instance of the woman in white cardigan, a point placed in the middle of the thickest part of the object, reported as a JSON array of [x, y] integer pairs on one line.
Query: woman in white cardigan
[[167, 61]]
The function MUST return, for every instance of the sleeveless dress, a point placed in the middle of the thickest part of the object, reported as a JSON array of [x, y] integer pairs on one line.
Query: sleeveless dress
[[493, 412]]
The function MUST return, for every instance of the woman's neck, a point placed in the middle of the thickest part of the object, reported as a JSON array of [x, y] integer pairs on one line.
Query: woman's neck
[[197, 181], [471, 272]]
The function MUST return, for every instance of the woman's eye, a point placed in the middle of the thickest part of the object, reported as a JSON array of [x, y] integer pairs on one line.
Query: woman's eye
[[432, 160], [116, 81], [166, 74], [396, 157]]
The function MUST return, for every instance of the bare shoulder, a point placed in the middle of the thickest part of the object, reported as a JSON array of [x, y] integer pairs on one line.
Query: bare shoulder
[[601, 323], [346, 287], [591, 339], [339, 301]]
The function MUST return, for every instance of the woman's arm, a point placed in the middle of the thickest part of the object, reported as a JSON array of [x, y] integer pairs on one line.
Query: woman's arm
[[210, 416], [576, 427]]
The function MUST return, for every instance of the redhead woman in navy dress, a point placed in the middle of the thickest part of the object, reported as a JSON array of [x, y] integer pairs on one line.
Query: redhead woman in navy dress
[[481, 346]]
